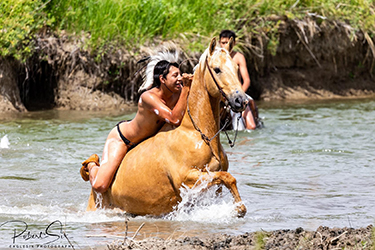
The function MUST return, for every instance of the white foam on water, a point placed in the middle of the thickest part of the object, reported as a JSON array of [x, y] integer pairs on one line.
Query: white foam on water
[[42, 213], [4, 143], [204, 205], [198, 204]]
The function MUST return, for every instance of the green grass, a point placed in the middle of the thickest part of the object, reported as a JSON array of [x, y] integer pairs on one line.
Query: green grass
[[260, 240], [19, 20], [133, 23]]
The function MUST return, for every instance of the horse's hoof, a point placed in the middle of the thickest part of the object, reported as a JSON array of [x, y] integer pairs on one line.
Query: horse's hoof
[[241, 211], [84, 171]]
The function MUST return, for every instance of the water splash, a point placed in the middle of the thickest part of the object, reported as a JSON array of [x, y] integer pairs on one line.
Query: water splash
[[4, 142], [98, 200], [204, 205], [46, 213]]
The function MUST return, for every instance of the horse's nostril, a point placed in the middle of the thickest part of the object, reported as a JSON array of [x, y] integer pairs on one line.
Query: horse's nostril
[[239, 103]]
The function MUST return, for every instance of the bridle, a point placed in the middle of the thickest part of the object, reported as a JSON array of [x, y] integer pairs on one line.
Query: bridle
[[205, 138], [213, 78]]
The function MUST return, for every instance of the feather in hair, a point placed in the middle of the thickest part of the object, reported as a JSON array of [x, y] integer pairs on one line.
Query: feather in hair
[[165, 53]]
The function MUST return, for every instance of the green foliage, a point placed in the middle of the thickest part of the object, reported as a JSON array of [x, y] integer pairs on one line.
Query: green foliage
[[133, 23], [260, 240], [18, 21]]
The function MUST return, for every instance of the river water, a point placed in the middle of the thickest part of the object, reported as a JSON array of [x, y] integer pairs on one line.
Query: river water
[[313, 164]]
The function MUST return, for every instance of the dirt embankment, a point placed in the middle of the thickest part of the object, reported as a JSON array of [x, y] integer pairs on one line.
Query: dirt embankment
[[314, 59], [9, 92], [323, 238]]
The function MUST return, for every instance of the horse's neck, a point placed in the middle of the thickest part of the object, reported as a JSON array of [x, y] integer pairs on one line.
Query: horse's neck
[[203, 109]]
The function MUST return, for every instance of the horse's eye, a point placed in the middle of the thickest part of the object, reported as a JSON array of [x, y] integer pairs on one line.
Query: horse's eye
[[217, 70]]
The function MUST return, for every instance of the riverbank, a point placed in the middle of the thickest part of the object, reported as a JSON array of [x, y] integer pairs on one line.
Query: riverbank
[[314, 59], [322, 238]]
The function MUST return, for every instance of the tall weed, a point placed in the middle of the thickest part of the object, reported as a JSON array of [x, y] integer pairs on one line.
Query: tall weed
[[132, 23]]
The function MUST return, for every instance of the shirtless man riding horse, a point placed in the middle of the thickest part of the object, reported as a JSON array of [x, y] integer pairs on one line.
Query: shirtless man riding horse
[[151, 176], [164, 103]]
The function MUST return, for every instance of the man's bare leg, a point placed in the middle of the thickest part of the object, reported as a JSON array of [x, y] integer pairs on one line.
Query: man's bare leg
[[101, 175], [254, 110], [249, 119]]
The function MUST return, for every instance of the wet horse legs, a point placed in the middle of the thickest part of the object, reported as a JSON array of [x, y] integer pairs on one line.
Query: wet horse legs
[[216, 178]]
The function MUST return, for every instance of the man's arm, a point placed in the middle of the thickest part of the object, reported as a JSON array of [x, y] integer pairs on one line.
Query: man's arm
[[241, 61], [174, 116]]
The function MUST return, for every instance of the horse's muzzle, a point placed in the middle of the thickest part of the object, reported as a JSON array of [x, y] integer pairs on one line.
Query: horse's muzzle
[[238, 102]]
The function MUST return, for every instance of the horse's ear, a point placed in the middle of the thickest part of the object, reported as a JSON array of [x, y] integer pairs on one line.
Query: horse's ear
[[229, 46], [212, 46]]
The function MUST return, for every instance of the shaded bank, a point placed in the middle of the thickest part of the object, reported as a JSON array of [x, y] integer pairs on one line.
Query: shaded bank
[[322, 238], [312, 59]]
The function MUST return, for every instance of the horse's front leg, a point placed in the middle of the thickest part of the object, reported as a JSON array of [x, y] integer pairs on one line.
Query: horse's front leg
[[215, 178], [216, 165]]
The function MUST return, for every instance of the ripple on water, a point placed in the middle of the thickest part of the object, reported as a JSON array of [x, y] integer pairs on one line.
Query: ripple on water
[[311, 165]]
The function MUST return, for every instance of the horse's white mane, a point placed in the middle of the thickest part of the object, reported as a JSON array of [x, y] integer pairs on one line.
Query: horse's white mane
[[168, 52]]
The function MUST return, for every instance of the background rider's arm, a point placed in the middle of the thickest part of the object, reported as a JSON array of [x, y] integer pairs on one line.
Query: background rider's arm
[[173, 116], [244, 73]]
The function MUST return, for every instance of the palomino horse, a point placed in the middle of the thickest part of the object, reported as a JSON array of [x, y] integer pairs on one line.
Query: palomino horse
[[149, 178]]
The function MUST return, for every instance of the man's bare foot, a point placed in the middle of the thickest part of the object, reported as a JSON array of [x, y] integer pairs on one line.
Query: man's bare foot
[[92, 161]]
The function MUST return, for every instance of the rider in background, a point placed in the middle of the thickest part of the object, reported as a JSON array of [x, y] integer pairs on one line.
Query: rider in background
[[250, 114], [164, 103]]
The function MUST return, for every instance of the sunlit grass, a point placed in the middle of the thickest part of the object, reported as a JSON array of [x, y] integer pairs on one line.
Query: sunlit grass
[[133, 23]]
